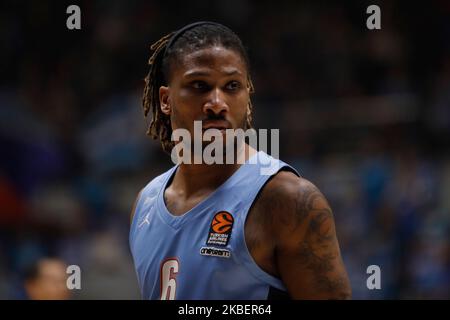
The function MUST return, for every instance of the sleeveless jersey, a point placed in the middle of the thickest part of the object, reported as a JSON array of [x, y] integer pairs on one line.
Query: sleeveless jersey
[[202, 254]]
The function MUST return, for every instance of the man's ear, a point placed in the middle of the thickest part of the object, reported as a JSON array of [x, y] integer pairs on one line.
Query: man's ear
[[164, 100]]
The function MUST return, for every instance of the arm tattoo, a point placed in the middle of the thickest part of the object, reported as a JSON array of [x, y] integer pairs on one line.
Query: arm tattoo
[[318, 250], [292, 212]]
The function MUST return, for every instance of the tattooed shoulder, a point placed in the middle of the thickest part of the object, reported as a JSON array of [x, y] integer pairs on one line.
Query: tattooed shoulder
[[303, 223], [288, 200]]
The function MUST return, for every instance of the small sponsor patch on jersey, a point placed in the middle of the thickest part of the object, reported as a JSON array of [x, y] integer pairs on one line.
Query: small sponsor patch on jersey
[[215, 252], [220, 229]]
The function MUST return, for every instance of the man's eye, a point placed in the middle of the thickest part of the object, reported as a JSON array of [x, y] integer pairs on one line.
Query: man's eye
[[233, 85], [199, 85]]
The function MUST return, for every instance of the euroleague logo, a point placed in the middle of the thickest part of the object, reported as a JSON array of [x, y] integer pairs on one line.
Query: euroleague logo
[[220, 230], [222, 222]]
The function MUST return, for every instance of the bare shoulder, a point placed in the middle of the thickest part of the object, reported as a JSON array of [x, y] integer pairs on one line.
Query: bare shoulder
[[286, 204], [289, 186], [306, 247], [290, 199]]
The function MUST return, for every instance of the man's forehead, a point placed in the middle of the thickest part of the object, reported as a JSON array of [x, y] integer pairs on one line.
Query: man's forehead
[[225, 70], [215, 57]]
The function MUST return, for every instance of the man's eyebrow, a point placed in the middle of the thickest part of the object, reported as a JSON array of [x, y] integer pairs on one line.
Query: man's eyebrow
[[198, 73]]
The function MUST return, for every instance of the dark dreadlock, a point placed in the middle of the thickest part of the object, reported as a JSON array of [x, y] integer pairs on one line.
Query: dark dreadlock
[[165, 51]]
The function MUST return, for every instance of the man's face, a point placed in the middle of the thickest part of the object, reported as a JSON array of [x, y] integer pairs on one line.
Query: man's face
[[208, 85]]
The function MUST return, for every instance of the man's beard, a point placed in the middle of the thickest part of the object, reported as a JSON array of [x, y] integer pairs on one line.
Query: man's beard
[[227, 142], [217, 145]]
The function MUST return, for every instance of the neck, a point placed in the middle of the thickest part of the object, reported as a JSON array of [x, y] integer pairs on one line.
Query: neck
[[192, 178]]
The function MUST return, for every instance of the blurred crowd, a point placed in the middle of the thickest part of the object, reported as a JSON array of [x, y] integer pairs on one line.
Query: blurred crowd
[[364, 114]]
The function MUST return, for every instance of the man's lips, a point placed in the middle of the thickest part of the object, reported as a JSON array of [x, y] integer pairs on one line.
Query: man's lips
[[216, 124]]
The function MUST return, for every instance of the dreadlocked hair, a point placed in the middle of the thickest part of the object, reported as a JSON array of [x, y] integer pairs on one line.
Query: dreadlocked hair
[[198, 37]]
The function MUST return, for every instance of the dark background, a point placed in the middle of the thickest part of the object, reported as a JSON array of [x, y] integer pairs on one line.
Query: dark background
[[364, 114]]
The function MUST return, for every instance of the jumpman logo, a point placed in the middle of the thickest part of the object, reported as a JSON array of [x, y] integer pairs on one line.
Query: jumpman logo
[[144, 221]]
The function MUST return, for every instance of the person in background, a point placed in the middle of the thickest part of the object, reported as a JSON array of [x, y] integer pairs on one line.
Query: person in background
[[46, 279]]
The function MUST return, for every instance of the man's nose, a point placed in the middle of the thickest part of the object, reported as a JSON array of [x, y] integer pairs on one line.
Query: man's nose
[[215, 103]]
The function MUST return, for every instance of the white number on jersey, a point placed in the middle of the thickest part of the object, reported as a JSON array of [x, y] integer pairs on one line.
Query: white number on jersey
[[169, 271]]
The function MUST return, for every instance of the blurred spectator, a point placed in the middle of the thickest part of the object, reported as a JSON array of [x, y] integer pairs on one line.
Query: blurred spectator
[[46, 280]]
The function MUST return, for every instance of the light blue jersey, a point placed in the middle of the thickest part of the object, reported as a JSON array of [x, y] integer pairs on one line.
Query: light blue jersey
[[201, 254]]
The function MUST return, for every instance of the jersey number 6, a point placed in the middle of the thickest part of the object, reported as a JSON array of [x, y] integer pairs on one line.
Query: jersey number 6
[[169, 271]]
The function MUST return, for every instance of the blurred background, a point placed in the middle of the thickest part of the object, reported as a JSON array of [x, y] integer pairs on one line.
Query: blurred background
[[363, 114]]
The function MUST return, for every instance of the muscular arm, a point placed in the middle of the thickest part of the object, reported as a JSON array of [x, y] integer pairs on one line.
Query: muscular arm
[[307, 254]]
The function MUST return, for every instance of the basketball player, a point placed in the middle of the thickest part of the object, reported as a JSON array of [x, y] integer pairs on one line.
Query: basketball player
[[224, 231]]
